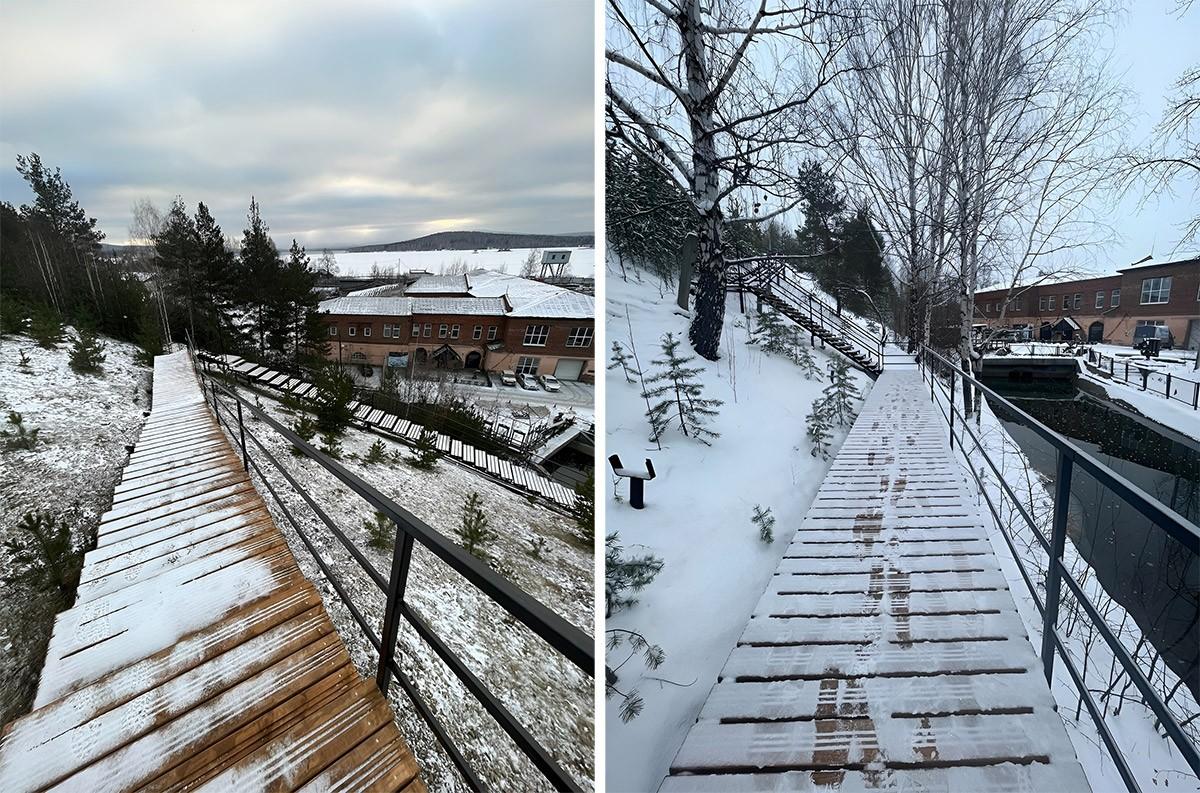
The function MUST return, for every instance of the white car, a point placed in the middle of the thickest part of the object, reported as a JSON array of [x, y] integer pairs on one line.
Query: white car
[[527, 381], [550, 382], [508, 378]]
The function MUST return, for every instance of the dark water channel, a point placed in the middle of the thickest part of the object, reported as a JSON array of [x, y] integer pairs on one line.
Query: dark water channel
[[1154, 578]]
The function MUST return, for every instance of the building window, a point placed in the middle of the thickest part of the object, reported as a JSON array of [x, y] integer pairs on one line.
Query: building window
[[1100, 299], [416, 329], [1041, 304], [527, 365], [477, 332], [352, 330], [387, 331], [428, 329], [1066, 304], [333, 330], [579, 337], [536, 335], [443, 329], [1156, 290], [1050, 302], [1077, 302], [366, 330], [491, 332], [1159, 322], [1116, 298], [454, 331]]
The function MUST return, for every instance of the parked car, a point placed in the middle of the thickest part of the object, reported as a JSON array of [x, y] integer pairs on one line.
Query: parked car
[[527, 381], [1143, 333], [550, 382], [508, 378]]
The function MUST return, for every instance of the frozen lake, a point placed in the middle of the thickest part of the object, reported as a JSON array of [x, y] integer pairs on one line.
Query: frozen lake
[[583, 260]]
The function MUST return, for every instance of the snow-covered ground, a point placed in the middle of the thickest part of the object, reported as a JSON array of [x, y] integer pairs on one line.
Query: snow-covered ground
[[697, 518], [1151, 756], [546, 693], [83, 423], [583, 260]]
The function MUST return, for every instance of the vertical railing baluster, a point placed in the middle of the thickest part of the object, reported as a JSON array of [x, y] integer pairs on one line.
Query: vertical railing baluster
[[242, 432], [951, 406], [1058, 540], [401, 557]]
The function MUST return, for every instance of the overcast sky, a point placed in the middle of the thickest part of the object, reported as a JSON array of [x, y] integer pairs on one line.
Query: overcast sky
[[351, 122]]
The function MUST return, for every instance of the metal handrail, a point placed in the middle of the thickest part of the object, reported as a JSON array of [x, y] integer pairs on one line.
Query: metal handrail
[[1068, 456], [1097, 358], [771, 276], [571, 642]]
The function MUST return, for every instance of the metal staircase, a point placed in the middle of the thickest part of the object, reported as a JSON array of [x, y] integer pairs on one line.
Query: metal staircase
[[773, 282]]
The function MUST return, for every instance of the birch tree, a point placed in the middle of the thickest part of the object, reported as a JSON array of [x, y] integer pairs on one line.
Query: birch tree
[[718, 95]]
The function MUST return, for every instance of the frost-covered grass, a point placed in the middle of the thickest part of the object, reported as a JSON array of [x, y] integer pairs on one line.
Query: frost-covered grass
[[547, 694], [83, 423], [1151, 756], [698, 517]]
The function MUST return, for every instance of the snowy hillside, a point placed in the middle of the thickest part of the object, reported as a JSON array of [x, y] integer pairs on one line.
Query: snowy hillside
[[583, 260], [83, 424], [698, 517]]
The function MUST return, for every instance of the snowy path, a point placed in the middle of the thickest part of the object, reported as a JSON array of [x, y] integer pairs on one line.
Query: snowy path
[[886, 652], [196, 652]]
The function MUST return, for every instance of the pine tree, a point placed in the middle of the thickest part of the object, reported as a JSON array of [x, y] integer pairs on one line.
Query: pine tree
[[679, 398], [771, 334], [331, 445], [584, 508], [425, 451], [335, 392], [622, 359], [376, 454], [176, 255], [87, 353], [624, 575], [19, 437], [473, 530], [841, 392], [380, 531], [23, 364], [43, 558], [306, 336], [765, 522], [261, 274], [217, 276], [47, 329], [817, 425], [803, 357], [306, 428]]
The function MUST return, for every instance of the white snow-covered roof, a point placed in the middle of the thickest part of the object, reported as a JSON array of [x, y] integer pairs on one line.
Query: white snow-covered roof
[[482, 306], [394, 306], [439, 284], [530, 298], [407, 306], [387, 290]]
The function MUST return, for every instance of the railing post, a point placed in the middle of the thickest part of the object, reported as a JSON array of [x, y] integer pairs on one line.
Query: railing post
[[401, 557], [1058, 539], [951, 408], [242, 432], [1168, 393]]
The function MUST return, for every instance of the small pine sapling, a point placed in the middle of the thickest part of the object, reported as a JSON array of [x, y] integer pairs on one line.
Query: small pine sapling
[[803, 357], [765, 521], [381, 531], [624, 575], [473, 530], [376, 454], [24, 362], [841, 393], [770, 333], [306, 428], [584, 508], [20, 436], [679, 398], [537, 547], [622, 359], [425, 451], [87, 353], [44, 558], [47, 330], [817, 425], [652, 657], [331, 445]]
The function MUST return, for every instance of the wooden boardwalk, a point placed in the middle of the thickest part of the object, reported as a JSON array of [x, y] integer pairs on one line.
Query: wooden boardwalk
[[886, 652], [197, 654]]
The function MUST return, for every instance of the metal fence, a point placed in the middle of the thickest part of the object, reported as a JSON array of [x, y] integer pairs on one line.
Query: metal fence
[[946, 381], [1150, 380], [572, 643]]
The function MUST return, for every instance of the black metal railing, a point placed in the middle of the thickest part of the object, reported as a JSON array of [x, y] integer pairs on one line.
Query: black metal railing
[[773, 277], [569, 641], [1149, 379], [946, 380]]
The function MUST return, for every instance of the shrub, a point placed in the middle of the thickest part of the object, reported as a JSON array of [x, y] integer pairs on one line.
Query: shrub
[[47, 329]]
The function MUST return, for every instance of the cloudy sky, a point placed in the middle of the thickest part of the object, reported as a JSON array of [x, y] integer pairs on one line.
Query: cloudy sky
[[351, 122]]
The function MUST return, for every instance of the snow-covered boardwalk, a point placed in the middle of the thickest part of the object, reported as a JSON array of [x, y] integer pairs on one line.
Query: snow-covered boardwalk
[[197, 653], [886, 651]]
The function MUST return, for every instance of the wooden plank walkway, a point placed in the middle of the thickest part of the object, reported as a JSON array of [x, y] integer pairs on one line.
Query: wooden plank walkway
[[197, 653], [886, 652]]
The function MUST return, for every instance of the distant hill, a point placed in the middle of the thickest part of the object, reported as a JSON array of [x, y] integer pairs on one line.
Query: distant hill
[[477, 240]]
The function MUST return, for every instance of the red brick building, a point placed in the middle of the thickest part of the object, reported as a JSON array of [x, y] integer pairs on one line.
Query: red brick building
[[1105, 308], [480, 320]]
